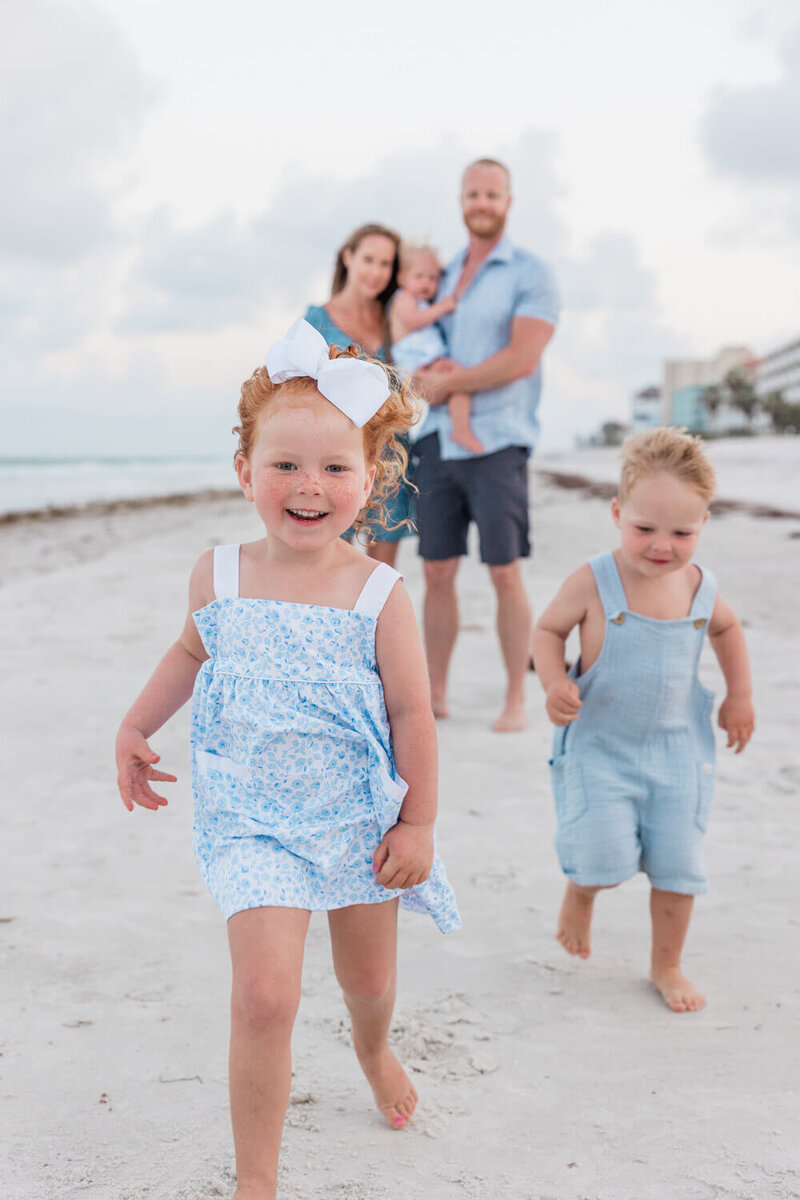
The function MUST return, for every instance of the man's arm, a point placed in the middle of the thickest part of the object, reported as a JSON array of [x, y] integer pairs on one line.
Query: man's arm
[[521, 357]]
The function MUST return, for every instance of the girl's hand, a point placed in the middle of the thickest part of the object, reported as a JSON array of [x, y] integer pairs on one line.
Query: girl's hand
[[563, 701], [737, 718], [405, 856], [135, 769]]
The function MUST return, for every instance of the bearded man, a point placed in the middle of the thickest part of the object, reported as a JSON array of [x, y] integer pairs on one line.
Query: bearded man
[[506, 312]]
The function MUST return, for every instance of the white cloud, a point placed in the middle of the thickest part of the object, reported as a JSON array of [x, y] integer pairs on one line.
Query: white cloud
[[750, 133], [74, 97]]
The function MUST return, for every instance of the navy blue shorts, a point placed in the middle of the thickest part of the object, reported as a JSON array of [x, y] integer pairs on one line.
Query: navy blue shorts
[[491, 490]]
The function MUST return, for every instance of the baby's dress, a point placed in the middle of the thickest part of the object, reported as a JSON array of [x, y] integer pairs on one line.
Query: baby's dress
[[420, 347], [293, 770]]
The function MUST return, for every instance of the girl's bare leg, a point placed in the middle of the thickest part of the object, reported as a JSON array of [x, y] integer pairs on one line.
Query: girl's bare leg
[[266, 947], [364, 944], [670, 913]]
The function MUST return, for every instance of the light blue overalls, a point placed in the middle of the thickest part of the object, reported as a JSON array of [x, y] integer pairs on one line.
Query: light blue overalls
[[633, 775]]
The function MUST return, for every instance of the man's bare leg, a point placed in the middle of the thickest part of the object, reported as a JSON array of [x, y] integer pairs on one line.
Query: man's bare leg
[[670, 913], [514, 621], [440, 621]]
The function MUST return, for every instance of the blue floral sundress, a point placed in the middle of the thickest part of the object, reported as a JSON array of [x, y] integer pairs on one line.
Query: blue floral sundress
[[293, 771]]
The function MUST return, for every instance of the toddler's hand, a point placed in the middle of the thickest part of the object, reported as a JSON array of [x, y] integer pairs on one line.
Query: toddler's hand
[[404, 857], [737, 718], [135, 769], [448, 304], [562, 701]]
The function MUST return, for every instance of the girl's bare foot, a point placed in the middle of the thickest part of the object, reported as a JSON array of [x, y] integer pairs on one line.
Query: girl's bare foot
[[575, 920], [676, 991], [440, 707], [394, 1092]]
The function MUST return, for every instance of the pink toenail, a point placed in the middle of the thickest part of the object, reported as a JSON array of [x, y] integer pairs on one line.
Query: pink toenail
[[399, 1121]]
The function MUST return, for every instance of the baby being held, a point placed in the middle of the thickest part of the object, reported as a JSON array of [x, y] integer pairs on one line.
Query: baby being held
[[416, 341]]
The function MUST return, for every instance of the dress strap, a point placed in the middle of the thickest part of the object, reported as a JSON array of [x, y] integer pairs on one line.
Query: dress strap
[[226, 572], [609, 584], [375, 591], [706, 594]]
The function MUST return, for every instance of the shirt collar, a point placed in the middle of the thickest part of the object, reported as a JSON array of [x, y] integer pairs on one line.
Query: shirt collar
[[502, 252]]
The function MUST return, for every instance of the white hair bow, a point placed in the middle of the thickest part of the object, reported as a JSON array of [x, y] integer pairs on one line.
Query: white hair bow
[[357, 388]]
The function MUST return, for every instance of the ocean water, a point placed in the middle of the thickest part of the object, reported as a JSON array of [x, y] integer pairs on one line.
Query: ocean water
[[33, 484]]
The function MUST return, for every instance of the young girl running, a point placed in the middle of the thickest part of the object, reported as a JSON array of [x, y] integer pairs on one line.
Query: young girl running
[[314, 748], [633, 755]]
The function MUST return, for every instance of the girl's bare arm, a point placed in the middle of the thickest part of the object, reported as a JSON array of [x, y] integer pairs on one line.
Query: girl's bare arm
[[405, 856], [167, 690]]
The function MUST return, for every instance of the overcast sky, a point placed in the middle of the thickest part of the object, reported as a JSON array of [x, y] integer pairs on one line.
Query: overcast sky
[[178, 176]]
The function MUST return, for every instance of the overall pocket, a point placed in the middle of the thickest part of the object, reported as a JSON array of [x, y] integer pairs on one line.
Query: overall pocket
[[569, 792], [705, 794]]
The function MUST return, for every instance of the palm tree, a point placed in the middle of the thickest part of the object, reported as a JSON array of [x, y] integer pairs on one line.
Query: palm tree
[[711, 399], [742, 394]]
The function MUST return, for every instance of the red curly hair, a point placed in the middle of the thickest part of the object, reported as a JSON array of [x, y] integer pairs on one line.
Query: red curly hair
[[382, 448]]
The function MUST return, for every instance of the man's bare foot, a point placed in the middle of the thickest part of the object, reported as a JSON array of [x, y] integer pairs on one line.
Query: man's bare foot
[[676, 991], [575, 920], [513, 719], [467, 439], [394, 1092]]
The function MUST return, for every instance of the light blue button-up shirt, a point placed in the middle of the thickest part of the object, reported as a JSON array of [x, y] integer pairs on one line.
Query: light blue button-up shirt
[[509, 283]]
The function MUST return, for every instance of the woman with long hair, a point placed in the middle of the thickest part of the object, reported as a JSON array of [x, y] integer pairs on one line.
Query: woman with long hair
[[364, 280]]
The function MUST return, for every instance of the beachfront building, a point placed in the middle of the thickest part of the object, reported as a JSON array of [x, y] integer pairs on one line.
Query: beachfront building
[[646, 409], [685, 382], [779, 371]]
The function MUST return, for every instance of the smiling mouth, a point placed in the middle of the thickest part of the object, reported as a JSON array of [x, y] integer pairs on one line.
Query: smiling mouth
[[306, 515]]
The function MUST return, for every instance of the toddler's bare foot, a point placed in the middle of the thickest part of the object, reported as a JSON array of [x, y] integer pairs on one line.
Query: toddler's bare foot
[[676, 991], [394, 1092], [575, 920], [467, 439], [513, 719]]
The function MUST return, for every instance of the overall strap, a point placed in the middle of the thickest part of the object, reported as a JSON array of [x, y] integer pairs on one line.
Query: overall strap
[[609, 584], [226, 572], [375, 591], [704, 597]]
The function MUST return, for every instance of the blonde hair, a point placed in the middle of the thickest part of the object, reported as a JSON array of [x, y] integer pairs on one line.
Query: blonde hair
[[668, 449], [380, 434], [410, 250]]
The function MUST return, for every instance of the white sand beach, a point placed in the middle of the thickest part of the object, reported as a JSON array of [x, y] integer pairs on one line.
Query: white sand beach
[[540, 1077]]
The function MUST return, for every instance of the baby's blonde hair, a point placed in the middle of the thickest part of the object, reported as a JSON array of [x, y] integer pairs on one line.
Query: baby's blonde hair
[[410, 250], [668, 449]]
